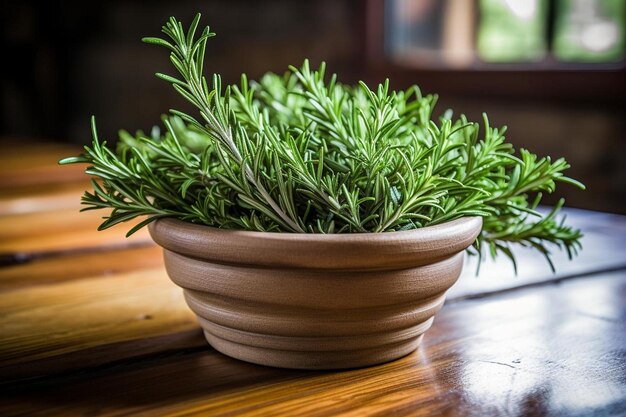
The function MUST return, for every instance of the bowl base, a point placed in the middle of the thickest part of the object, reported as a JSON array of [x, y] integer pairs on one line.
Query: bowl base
[[314, 360]]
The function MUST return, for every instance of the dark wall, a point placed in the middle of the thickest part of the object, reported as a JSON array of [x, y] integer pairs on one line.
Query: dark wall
[[68, 62]]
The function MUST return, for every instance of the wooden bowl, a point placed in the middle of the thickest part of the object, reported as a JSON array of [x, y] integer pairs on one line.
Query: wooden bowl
[[314, 301]]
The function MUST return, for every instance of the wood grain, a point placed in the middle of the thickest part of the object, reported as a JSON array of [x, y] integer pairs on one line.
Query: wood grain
[[89, 312], [61, 230], [551, 352], [37, 199], [56, 269]]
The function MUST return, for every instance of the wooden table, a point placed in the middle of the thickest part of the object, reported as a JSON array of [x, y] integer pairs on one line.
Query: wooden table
[[90, 324]]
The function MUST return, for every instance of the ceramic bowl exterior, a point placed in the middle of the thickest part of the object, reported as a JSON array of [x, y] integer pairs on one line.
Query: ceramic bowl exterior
[[314, 301]]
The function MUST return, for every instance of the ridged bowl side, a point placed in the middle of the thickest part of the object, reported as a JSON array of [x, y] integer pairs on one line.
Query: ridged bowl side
[[314, 301]]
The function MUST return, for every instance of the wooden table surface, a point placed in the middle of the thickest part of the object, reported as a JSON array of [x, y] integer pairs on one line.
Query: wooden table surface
[[91, 325]]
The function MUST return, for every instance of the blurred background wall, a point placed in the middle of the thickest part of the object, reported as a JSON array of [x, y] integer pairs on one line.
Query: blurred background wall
[[552, 71]]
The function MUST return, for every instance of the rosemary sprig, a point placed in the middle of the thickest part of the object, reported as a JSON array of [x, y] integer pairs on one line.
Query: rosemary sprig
[[304, 153]]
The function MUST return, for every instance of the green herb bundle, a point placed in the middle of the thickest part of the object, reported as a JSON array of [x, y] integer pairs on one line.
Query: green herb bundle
[[303, 153]]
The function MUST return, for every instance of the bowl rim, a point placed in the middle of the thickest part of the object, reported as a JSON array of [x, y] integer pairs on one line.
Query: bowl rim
[[321, 236], [406, 248]]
